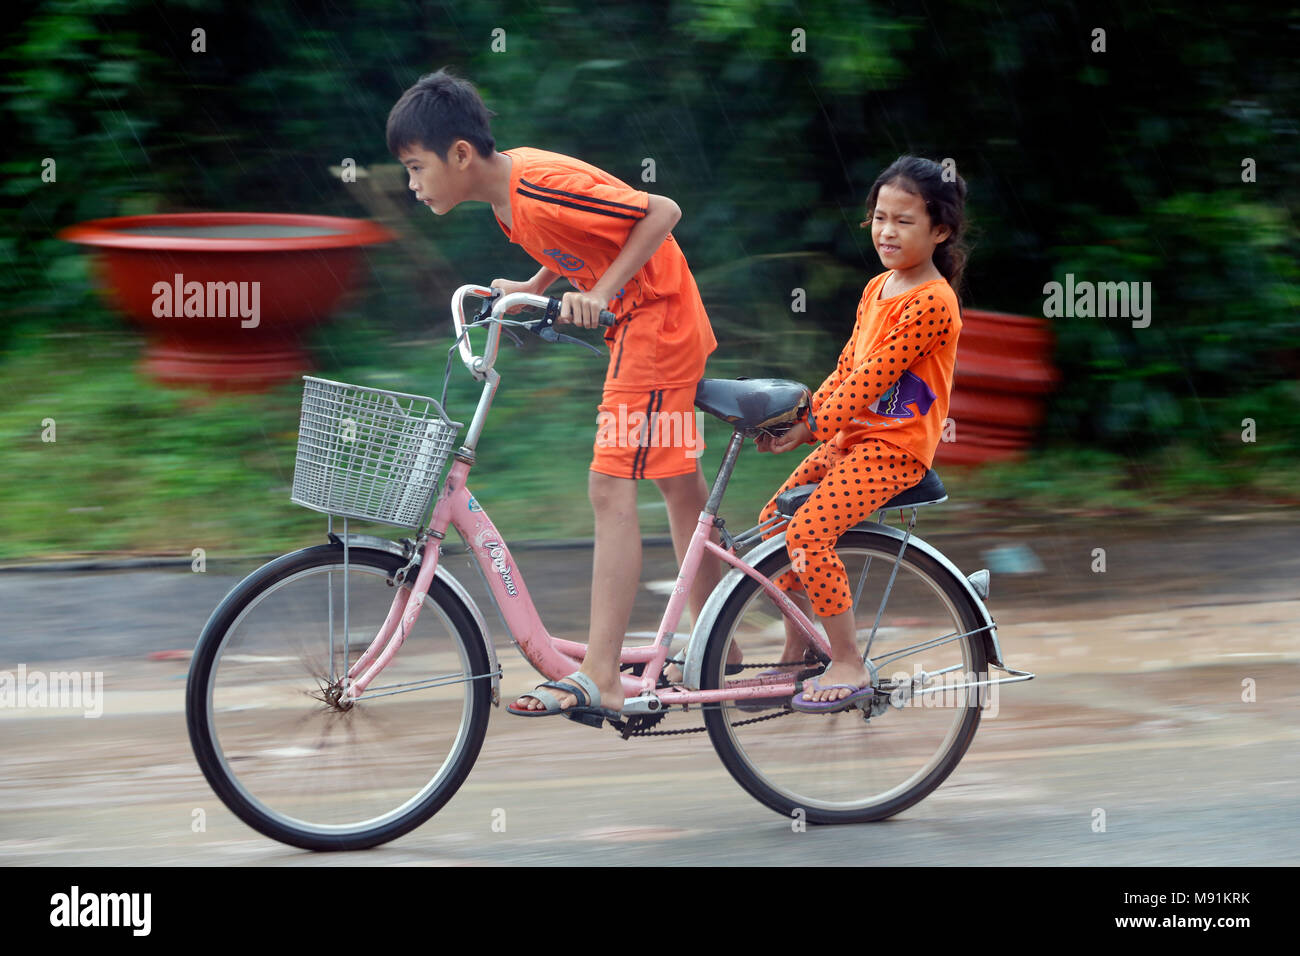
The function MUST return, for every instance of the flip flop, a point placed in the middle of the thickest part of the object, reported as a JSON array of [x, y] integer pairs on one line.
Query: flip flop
[[860, 693], [580, 686]]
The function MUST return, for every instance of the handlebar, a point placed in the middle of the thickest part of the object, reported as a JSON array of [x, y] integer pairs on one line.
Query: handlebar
[[480, 365]]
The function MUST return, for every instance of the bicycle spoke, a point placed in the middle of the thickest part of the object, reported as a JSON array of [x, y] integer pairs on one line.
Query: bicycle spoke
[[308, 760], [848, 763]]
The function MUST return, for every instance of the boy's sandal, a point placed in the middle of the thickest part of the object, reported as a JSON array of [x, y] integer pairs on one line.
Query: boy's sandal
[[580, 686]]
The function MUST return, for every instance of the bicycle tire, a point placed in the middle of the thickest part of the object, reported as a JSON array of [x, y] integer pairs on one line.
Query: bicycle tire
[[807, 741], [219, 738]]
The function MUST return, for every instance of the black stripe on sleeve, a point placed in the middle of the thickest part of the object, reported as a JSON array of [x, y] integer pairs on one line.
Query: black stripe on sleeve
[[561, 192], [574, 205]]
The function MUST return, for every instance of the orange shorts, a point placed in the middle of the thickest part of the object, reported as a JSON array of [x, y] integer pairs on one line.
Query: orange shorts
[[652, 433]]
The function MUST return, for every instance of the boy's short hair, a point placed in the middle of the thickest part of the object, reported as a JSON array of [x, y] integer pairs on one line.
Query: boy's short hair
[[438, 110]]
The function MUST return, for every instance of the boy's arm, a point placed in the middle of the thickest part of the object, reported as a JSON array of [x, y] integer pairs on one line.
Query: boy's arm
[[644, 239], [542, 281], [923, 329], [537, 285]]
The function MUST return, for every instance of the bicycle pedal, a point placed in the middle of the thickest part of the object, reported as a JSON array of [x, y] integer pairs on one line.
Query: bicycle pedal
[[590, 720]]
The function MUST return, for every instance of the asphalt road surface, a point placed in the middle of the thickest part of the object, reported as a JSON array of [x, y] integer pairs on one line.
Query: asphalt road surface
[[1161, 729]]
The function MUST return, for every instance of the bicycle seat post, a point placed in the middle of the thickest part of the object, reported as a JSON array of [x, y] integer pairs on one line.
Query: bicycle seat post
[[724, 472]]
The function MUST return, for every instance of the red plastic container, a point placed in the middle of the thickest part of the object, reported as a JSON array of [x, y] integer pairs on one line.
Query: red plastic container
[[1004, 373], [249, 286]]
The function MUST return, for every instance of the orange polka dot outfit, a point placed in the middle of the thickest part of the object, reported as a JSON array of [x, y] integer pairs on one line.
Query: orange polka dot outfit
[[879, 416]]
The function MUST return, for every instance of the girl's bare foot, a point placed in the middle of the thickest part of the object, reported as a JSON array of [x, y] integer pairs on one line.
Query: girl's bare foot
[[840, 672]]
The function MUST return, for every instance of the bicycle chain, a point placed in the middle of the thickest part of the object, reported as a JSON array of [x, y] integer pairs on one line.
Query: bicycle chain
[[652, 719], [625, 734]]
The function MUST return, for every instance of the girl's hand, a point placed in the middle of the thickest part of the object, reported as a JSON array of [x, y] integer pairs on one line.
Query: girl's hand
[[800, 434]]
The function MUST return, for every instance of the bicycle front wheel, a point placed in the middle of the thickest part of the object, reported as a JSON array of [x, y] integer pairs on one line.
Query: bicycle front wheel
[[865, 764], [298, 767]]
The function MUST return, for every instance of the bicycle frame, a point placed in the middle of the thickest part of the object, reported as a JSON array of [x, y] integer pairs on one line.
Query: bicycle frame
[[556, 657]]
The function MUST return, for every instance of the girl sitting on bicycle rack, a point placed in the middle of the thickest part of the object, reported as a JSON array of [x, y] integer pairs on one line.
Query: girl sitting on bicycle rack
[[880, 412]]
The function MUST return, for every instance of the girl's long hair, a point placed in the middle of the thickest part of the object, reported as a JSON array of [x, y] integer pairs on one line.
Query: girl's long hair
[[945, 201]]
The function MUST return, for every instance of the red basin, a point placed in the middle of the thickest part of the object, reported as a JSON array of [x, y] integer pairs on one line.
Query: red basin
[[251, 284], [1003, 376]]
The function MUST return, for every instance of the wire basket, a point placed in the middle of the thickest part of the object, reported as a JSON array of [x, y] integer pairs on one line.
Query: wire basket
[[369, 453]]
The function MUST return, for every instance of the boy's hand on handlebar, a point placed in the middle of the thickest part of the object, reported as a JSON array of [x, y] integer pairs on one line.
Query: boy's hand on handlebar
[[800, 434], [581, 308], [508, 286]]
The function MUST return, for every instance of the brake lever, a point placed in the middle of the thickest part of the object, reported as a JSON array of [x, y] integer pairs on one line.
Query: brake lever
[[544, 328], [485, 310]]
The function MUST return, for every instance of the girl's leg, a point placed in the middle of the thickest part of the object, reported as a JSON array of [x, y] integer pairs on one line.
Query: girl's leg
[[872, 473], [811, 469]]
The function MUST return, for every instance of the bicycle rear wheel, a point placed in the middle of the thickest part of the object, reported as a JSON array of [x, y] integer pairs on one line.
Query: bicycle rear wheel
[[858, 765], [302, 770]]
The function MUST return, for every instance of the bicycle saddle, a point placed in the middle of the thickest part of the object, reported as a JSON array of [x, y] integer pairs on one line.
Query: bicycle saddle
[[928, 491], [751, 402]]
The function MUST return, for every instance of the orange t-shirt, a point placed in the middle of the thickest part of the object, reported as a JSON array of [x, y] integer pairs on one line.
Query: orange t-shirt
[[575, 219], [894, 375]]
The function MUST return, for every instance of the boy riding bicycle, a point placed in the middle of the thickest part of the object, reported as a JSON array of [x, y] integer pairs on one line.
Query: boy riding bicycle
[[613, 243]]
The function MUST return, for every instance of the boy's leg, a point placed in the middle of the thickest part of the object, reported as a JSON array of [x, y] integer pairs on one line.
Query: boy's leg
[[671, 459], [685, 496], [615, 576], [625, 425]]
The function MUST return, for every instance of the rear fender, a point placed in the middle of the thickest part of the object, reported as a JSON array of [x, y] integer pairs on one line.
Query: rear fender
[[713, 606]]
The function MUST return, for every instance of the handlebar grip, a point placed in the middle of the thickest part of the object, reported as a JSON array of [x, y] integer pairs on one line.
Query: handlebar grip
[[553, 306]]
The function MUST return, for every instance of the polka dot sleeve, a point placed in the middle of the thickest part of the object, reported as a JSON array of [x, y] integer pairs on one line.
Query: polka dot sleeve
[[843, 366], [926, 325]]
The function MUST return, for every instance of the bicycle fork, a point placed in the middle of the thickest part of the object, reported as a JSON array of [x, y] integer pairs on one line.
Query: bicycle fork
[[402, 615]]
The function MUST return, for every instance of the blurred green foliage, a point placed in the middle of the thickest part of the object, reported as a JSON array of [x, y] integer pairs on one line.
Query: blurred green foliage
[[1122, 165]]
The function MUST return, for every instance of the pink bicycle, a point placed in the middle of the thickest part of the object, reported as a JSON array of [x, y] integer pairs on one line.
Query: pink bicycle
[[300, 737]]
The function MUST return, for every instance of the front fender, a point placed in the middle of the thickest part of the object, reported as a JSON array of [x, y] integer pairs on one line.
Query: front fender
[[713, 606], [376, 543]]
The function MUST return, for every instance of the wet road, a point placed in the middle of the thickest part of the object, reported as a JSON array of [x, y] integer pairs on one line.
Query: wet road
[[1137, 720]]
